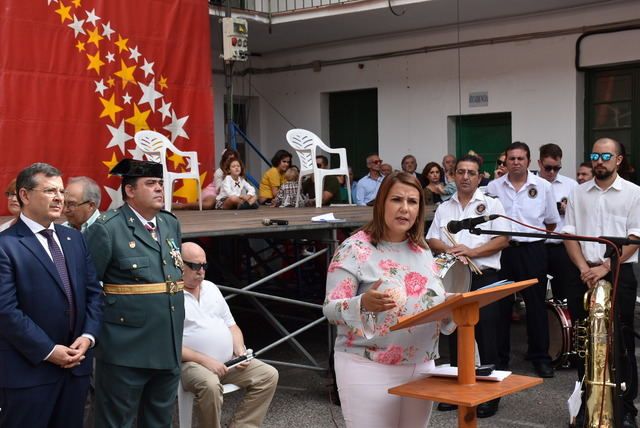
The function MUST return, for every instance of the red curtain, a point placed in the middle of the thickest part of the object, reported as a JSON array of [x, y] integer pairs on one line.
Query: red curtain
[[79, 78]]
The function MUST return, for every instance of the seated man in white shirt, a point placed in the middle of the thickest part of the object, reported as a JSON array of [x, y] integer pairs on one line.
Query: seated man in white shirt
[[212, 337]]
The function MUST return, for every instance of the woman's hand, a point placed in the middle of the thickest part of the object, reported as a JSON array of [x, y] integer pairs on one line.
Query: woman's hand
[[376, 301]]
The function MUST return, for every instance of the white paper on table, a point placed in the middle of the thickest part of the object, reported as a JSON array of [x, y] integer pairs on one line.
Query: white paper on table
[[445, 370], [575, 401], [327, 218]]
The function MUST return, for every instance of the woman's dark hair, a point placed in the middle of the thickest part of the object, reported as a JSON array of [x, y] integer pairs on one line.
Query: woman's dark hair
[[377, 226], [277, 158], [228, 153], [227, 165], [428, 167]]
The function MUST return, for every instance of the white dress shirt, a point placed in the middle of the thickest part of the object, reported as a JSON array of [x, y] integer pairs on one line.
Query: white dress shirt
[[562, 187], [479, 205], [534, 204], [593, 211]]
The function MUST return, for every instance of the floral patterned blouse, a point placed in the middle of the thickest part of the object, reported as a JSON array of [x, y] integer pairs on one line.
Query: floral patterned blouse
[[406, 272]]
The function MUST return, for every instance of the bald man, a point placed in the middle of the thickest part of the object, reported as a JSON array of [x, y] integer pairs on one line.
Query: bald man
[[212, 337]]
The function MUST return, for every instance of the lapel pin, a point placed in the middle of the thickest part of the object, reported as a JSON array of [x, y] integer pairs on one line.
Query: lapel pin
[[130, 219], [68, 238], [132, 244]]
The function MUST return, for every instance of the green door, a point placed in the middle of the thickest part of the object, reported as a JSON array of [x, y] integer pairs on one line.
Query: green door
[[353, 124], [486, 134]]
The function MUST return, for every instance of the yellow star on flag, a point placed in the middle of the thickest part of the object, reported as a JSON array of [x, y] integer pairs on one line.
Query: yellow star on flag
[[63, 11], [111, 163], [139, 119], [111, 82], [80, 46], [95, 37], [110, 108], [95, 62], [189, 189], [76, 3], [163, 82], [121, 44], [177, 161], [126, 73]]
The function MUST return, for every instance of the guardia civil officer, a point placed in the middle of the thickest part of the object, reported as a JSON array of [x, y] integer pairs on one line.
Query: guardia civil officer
[[136, 252]]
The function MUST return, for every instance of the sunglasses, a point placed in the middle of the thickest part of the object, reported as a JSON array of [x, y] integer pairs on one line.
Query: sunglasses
[[596, 156], [550, 168], [196, 266], [500, 163]]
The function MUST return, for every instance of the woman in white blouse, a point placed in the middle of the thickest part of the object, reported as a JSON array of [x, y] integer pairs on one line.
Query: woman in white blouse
[[383, 272]]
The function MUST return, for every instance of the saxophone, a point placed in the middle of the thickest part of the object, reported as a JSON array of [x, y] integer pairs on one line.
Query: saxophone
[[600, 389]]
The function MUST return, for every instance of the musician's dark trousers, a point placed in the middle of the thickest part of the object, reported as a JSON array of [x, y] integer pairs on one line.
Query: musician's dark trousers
[[519, 262], [624, 336], [561, 268], [486, 328]]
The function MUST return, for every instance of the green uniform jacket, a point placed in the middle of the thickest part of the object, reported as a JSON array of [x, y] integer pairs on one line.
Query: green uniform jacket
[[144, 330]]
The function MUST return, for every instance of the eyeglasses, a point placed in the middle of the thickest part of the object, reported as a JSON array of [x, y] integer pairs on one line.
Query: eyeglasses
[[52, 192], [469, 172], [196, 266], [596, 156], [11, 194], [500, 162], [74, 205], [550, 168], [377, 161]]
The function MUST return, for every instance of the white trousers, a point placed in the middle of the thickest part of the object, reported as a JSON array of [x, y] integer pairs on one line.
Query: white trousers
[[363, 387]]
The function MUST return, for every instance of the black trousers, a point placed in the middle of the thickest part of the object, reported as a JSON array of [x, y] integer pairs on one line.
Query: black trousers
[[519, 263], [562, 269], [626, 366], [485, 330]]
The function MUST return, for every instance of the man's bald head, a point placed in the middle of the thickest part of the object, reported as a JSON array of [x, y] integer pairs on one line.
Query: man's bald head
[[603, 141], [191, 251]]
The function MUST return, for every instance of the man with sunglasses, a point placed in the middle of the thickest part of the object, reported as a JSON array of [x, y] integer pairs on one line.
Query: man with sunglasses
[[211, 337], [608, 205], [559, 267], [81, 201], [368, 186], [529, 199], [136, 250]]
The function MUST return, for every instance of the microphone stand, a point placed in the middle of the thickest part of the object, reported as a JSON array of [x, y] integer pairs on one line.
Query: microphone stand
[[614, 245]]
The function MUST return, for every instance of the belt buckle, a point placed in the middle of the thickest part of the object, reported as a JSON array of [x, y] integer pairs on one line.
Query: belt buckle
[[172, 287]]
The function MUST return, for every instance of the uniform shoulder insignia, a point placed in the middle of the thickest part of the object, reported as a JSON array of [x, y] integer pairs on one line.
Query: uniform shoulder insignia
[[108, 215], [490, 195]]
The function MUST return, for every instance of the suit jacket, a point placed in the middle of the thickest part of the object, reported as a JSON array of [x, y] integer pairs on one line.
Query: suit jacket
[[34, 313], [143, 330]]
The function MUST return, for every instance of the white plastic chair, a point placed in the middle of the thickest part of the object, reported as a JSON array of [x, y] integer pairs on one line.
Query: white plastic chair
[[306, 145], [154, 146], [185, 403]]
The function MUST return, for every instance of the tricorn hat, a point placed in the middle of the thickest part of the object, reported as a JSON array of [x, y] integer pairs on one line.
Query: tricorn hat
[[137, 168]]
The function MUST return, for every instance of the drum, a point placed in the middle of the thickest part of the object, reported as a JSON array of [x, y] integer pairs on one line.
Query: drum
[[560, 333]]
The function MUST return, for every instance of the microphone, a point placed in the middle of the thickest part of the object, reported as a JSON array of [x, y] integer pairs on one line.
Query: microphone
[[455, 226], [270, 221]]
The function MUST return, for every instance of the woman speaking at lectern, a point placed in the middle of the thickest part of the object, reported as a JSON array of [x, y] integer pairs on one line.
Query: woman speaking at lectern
[[380, 273]]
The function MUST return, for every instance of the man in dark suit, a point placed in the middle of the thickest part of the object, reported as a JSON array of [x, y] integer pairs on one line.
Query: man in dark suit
[[136, 249], [50, 309]]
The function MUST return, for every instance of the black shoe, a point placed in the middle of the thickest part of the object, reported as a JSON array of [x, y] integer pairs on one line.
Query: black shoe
[[488, 409], [629, 421], [543, 369], [446, 407], [244, 206]]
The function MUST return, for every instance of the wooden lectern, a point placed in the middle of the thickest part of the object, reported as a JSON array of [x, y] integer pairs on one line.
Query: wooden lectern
[[465, 392]]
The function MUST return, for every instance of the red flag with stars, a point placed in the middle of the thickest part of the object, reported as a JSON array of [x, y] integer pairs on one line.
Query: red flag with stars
[[78, 79]]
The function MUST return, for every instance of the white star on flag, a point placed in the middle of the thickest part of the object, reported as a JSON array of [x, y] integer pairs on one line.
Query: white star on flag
[[107, 31], [176, 127], [110, 57], [119, 137], [134, 54], [100, 86], [165, 110], [147, 67], [137, 154], [49, 2], [126, 98], [92, 17], [149, 94], [115, 195], [77, 26]]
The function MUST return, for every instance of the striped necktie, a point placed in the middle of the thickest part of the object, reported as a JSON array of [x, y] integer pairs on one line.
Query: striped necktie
[[61, 267]]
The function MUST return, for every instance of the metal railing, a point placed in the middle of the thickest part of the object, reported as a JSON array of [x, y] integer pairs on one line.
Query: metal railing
[[278, 6]]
